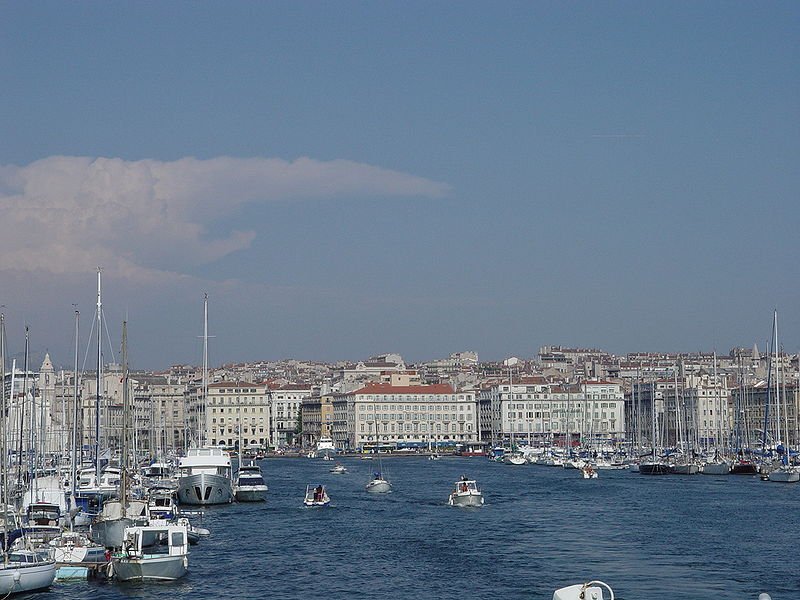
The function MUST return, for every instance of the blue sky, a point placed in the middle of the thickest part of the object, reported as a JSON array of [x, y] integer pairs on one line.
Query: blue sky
[[352, 178]]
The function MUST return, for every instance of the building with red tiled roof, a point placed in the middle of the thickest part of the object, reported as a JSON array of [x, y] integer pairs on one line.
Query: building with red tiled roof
[[393, 417]]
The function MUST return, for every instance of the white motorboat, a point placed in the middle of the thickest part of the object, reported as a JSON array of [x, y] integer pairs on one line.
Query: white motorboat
[[249, 485], [316, 496], [107, 485], [592, 589], [466, 493], [41, 523], [152, 553], [205, 477], [588, 472], [325, 448], [25, 571], [338, 469]]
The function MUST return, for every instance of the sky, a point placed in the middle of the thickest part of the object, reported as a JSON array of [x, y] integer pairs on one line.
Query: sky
[[345, 179]]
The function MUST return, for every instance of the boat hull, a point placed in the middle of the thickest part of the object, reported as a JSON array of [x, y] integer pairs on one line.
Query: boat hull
[[204, 489], [722, 468], [744, 468], [686, 469], [379, 486], [466, 500], [785, 476], [162, 568], [110, 533], [26, 578], [68, 555], [251, 493], [654, 469]]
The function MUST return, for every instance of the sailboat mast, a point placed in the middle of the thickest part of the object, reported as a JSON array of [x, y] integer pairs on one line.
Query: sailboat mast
[[777, 383], [75, 411], [3, 442], [769, 394], [125, 410], [99, 379]]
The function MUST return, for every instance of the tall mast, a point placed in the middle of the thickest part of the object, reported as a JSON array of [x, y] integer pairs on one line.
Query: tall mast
[[201, 415], [125, 411], [75, 412], [777, 384], [3, 424], [99, 378]]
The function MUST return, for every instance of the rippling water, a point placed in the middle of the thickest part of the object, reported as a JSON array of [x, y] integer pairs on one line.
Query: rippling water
[[670, 538]]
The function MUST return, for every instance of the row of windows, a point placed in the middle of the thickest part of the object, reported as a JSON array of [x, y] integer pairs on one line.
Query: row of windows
[[575, 406], [420, 427], [411, 417], [415, 398], [556, 413], [415, 407]]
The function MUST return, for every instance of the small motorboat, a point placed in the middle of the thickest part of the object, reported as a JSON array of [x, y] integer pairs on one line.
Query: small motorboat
[[316, 496], [338, 469], [465, 493], [588, 472], [592, 589]]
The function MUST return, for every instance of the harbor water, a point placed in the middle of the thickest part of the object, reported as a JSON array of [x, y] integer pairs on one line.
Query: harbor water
[[670, 537]]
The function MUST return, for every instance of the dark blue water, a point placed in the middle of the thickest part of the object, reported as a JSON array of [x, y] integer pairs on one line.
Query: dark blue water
[[671, 537]]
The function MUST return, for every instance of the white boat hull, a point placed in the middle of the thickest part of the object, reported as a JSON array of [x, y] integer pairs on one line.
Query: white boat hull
[[721, 468], [690, 469], [379, 486], [161, 568], [110, 533], [67, 555], [203, 489], [785, 476], [251, 493], [26, 578], [474, 500]]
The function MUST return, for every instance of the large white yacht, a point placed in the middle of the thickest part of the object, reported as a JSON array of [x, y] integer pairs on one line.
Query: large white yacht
[[205, 477]]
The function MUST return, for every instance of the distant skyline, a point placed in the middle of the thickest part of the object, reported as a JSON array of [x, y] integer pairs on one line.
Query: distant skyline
[[350, 179]]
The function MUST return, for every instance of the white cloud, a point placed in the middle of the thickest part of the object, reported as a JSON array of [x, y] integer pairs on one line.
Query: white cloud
[[143, 219]]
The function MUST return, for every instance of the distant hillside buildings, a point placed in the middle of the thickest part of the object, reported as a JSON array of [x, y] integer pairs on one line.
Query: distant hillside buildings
[[562, 395]]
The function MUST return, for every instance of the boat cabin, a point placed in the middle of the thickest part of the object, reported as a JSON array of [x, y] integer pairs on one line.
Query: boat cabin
[[167, 540]]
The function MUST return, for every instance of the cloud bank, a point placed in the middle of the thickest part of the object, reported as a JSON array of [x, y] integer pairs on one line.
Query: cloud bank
[[145, 219]]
